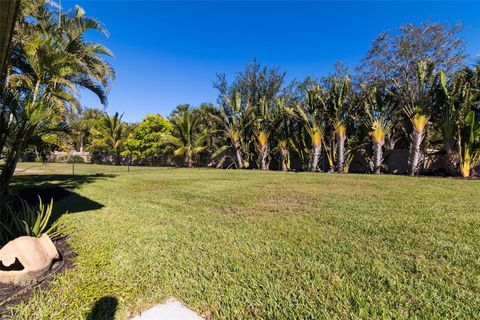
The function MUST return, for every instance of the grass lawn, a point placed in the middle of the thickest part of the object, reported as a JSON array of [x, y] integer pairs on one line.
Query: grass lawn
[[250, 244]]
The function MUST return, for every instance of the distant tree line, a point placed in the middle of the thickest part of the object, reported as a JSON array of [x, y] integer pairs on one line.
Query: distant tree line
[[413, 90]]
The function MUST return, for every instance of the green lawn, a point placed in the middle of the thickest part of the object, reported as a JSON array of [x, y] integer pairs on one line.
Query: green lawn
[[250, 244]]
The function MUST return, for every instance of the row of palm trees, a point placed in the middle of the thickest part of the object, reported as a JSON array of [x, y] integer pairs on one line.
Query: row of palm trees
[[335, 120]]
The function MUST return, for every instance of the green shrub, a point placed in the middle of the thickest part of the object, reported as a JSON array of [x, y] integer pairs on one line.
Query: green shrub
[[23, 219]]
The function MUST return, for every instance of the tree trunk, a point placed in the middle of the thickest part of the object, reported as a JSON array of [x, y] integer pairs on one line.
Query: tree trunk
[[264, 157], [450, 159], [13, 156], [315, 158], [378, 156], [415, 153], [189, 161], [341, 152], [238, 152], [283, 159]]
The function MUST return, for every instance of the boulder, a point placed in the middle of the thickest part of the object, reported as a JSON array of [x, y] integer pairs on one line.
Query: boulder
[[25, 259]]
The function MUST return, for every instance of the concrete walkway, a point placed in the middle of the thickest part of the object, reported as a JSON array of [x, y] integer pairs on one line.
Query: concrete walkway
[[171, 309]]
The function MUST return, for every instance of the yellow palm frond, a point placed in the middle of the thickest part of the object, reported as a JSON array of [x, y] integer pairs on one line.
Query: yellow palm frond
[[419, 122], [262, 137]]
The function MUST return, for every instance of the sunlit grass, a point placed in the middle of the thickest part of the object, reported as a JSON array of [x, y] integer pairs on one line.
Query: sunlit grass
[[251, 244]]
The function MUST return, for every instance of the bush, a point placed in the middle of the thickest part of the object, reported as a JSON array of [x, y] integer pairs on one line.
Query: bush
[[22, 219]]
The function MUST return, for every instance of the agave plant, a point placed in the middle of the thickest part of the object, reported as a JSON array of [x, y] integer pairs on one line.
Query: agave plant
[[23, 219]]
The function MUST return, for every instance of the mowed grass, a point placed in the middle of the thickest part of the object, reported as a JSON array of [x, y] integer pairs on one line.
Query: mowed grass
[[266, 245]]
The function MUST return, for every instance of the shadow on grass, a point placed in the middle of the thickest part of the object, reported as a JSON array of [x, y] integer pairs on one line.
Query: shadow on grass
[[60, 188], [104, 309]]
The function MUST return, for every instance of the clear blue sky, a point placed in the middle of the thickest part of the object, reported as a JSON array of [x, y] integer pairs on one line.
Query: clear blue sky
[[167, 53]]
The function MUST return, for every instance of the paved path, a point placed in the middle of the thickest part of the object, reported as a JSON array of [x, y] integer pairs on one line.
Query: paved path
[[171, 309]]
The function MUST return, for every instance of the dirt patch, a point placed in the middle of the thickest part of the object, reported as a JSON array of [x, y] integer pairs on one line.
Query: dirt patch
[[14, 294]]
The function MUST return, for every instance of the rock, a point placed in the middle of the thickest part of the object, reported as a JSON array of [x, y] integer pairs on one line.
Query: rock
[[25, 259]]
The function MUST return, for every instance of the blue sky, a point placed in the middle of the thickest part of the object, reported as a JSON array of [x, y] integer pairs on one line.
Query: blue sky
[[167, 53]]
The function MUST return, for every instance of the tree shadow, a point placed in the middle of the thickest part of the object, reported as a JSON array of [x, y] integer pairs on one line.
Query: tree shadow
[[104, 309], [60, 188], [67, 181]]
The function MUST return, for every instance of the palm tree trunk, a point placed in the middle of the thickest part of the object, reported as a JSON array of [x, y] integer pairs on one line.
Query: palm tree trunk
[[315, 158], [341, 152], [415, 153], [238, 152], [264, 157], [189, 161], [378, 156], [450, 159], [283, 159], [13, 156]]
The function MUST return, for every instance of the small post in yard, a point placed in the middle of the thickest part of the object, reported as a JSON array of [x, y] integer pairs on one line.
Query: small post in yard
[[73, 165]]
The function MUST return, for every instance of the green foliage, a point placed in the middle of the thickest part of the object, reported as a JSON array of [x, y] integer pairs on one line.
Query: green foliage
[[147, 140], [50, 61], [188, 137], [22, 219]]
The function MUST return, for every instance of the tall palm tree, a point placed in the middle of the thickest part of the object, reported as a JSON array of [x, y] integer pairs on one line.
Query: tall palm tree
[[186, 135], [418, 111], [377, 107], [458, 96], [311, 116], [50, 60], [108, 135], [234, 121], [340, 110]]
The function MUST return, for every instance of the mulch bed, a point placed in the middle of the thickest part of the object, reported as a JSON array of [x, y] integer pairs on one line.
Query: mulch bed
[[14, 294]]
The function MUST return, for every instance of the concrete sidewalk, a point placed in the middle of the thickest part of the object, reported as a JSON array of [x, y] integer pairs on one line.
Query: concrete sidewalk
[[171, 309]]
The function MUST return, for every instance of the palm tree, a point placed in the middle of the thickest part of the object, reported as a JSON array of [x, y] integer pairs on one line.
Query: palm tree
[[470, 155], [458, 96], [50, 60], [311, 117], [377, 107], [186, 136], [340, 110], [108, 135], [418, 111], [235, 120]]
